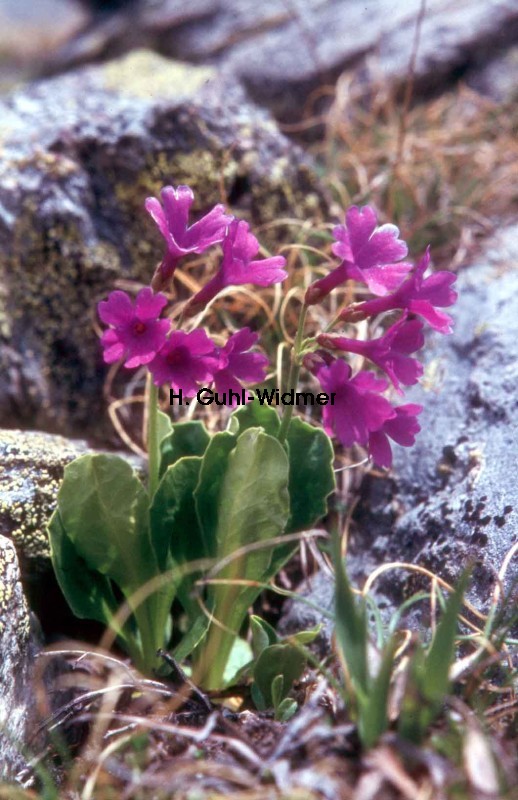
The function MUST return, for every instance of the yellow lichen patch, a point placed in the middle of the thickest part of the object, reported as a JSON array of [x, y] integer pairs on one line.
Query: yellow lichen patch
[[31, 469], [146, 74]]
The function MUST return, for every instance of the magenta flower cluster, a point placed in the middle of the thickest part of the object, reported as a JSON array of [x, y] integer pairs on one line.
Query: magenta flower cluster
[[186, 360], [370, 255]]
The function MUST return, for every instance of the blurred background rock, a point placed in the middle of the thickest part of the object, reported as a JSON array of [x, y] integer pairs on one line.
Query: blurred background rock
[[282, 50]]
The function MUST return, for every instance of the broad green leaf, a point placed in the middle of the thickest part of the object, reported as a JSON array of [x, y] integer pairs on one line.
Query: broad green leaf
[[278, 659], [88, 593], [263, 634], [255, 415], [350, 625], [104, 510], [175, 531], [242, 499], [207, 492], [440, 656], [185, 439], [240, 656], [253, 502], [312, 478]]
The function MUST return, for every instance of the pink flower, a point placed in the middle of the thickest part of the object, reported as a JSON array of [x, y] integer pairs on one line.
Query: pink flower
[[239, 365], [358, 408], [185, 360], [137, 333], [238, 268], [172, 219], [390, 352], [368, 255], [417, 294], [402, 428]]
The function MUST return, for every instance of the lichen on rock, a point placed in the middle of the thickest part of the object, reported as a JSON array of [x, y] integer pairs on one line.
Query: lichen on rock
[[31, 468], [16, 648]]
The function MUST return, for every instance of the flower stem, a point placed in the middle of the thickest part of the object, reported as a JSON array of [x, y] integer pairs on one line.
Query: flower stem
[[152, 435], [293, 377]]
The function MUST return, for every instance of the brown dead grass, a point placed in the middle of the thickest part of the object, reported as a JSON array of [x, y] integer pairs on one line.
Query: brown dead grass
[[444, 171]]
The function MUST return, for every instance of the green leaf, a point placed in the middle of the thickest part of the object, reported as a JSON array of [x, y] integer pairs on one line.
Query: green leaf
[[312, 477], [242, 499], [277, 690], [164, 425], [263, 635], [104, 510], [259, 701], [373, 720], [255, 415], [175, 531], [207, 493], [312, 480], [193, 638], [415, 713], [278, 660], [436, 680], [350, 625], [88, 593], [253, 502], [305, 637], [240, 656], [185, 439], [286, 709]]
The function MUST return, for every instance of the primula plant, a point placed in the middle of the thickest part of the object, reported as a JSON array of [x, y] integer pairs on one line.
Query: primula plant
[[219, 514]]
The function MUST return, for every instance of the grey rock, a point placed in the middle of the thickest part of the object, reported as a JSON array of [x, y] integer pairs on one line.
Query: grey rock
[[283, 51], [371, 39], [80, 154], [452, 499], [17, 649], [31, 469], [498, 79], [117, 28], [31, 32]]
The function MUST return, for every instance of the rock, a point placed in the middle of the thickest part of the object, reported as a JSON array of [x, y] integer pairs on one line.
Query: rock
[[17, 648], [119, 26], [31, 32], [375, 39], [31, 469], [498, 79], [283, 51], [80, 154], [453, 497]]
